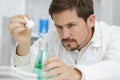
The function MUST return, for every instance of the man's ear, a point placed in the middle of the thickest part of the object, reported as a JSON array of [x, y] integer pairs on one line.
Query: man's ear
[[91, 20]]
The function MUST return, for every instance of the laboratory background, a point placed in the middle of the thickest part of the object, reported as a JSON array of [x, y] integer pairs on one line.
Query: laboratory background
[[105, 10]]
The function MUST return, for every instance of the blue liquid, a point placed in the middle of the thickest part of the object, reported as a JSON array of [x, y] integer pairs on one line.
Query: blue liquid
[[43, 26]]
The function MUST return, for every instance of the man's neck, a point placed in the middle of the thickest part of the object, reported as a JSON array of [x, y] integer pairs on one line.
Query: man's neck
[[90, 35]]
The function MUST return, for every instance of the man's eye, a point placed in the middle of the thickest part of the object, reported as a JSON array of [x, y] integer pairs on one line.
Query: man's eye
[[71, 25], [59, 27]]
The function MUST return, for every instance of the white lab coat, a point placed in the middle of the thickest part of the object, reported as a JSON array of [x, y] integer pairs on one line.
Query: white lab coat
[[99, 60]]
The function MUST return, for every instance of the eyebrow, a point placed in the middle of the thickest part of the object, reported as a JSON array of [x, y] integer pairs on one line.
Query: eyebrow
[[65, 24]]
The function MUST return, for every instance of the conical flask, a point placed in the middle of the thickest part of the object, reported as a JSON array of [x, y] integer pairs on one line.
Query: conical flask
[[43, 55]]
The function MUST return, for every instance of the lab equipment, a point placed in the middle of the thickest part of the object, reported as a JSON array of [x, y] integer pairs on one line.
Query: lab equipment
[[29, 24], [43, 25], [43, 55]]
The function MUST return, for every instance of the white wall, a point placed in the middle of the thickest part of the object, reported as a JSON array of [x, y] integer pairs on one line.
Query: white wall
[[107, 11], [110, 11], [97, 8], [116, 12]]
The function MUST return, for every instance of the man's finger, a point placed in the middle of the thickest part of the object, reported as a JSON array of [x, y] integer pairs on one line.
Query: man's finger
[[51, 65], [51, 60]]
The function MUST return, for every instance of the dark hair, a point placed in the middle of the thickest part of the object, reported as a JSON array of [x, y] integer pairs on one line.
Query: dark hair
[[84, 8]]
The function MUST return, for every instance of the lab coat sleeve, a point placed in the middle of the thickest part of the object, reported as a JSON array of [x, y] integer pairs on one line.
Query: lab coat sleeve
[[26, 62], [109, 68], [106, 70], [16, 58]]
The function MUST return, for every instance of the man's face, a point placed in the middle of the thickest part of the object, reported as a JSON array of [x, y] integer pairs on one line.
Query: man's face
[[71, 29]]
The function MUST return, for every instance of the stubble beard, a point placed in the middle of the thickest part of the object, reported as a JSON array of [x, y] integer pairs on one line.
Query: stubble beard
[[69, 48]]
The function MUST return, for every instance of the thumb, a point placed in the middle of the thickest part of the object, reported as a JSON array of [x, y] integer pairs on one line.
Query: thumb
[[27, 16]]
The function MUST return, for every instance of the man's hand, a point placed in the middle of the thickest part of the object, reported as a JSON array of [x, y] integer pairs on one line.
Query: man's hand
[[61, 70], [20, 33]]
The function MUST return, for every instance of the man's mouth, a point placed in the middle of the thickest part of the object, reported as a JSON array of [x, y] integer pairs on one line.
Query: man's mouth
[[67, 41]]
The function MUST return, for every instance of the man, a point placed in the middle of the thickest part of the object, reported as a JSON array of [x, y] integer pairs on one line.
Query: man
[[84, 48]]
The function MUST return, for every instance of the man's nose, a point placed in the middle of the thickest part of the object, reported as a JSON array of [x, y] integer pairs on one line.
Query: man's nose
[[66, 33]]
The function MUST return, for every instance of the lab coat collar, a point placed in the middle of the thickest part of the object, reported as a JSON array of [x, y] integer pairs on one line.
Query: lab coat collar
[[96, 39]]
